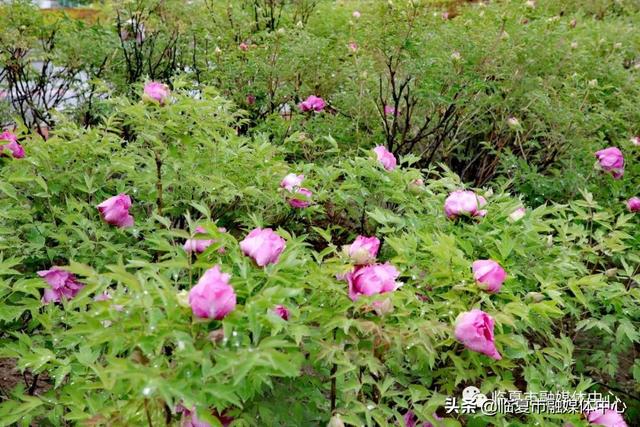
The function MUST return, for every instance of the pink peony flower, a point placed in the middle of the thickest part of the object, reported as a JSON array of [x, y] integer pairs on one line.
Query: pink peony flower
[[488, 274], [200, 245], [410, 420], [372, 279], [16, 149], [363, 250], [611, 160], [115, 211], [390, 110], [282, 311], [251, 99], [212, 297], [190, 418], [291, 181], [474, 329], [353, 47], [302, 202], [518, 214], [606, 417], [385, 157], [633, 204], [156, 92], [263, 245], [312, 103], [243, 46], [62, 285], [635, 140], [464, 202]]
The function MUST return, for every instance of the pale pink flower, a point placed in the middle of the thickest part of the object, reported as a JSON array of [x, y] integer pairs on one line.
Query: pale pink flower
[[464, 202], [372, 279], [606, 417], [518, 214], [263, 245], [156, 92], [363, 250], [385, 157], [291, 181], [489, 275], [212, 297]]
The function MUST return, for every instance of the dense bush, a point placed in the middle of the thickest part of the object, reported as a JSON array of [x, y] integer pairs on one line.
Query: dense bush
[[119, 230]]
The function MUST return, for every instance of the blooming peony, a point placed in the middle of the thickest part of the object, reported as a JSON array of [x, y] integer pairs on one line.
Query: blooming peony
[[488, 274], [212, 297], [282, 311], [390, 110], [363, 250], [312, 103], [263, 245], [243, 46], [301, 202], [115, 211], [62, 284], [633, 204], [464, 202], [16, 149], [474, 329], [611, 160], [606, 417], [372, 279], [385, 158], [291, 181], [156, 92]]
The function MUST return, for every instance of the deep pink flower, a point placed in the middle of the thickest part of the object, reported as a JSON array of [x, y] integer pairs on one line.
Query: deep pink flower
[[611, 160], [190, 418], [385, 157], [312, 103], [474, 329], [282, 311], [243, 46], [115, 211], [410, 420], [251, 99], [263, 245], [16, 149], [364, 250], [372, 279], [390, 110], [464, 202], [606, 417], [62, 285], [212, 297], [291, 181], [633, 204], [489, 275], [301, 202], [156, 92]]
